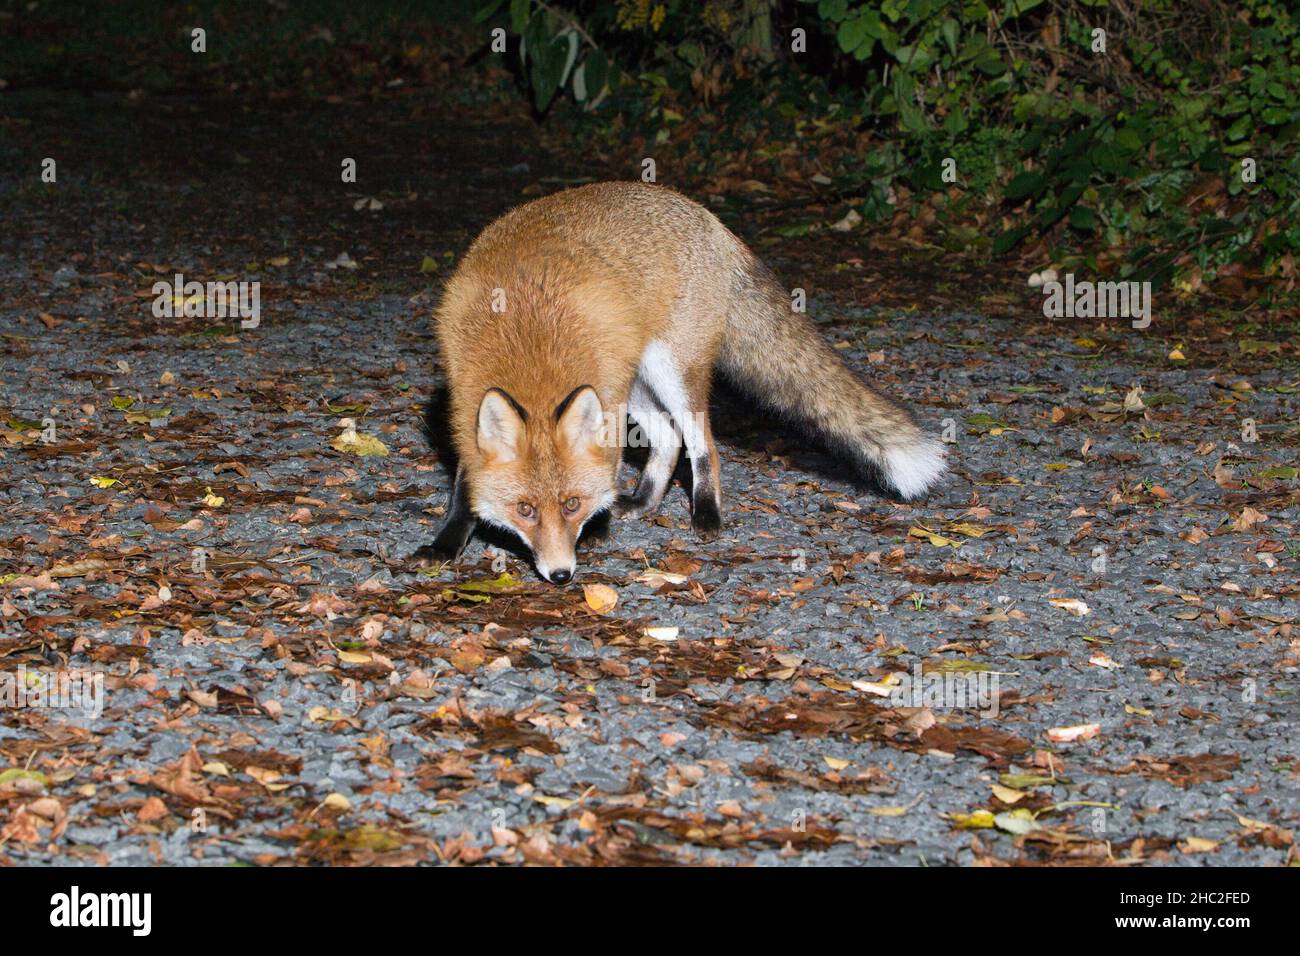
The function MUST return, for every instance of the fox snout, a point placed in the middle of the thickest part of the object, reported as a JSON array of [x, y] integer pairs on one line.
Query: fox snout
[[554, 554], [555, 575]]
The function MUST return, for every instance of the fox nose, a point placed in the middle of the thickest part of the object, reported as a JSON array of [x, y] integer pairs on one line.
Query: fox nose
[[561, 576]]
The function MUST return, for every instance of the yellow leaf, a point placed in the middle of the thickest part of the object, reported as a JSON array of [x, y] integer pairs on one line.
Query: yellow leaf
[[1018, 821], [325, 715], [561, 803], [336, 801], [1006, 794], [979, 820], [938, 540], [502, 582], [601, 598], [355, 443], [1250, 824], [103, 482], [1198, 845]]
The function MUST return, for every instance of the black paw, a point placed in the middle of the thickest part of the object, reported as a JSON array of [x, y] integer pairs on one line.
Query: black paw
[[706, 517], [597, 529], [630, 506], [432, 555], [447, 544]]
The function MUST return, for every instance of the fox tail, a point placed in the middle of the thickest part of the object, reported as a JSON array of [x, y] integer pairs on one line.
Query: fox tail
[[777, 356]]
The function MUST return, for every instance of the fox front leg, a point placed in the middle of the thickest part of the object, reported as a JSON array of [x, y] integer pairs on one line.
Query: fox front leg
[[450, 540]]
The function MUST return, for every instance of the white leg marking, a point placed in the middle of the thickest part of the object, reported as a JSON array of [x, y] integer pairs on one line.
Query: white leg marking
[[657, 427], [662, 377]]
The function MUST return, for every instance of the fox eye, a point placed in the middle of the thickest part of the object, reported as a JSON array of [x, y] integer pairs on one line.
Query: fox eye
[[572, 505], [526, 510]]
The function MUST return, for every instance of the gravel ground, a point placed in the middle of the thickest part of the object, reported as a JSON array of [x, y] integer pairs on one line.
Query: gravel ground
[[283, 685]]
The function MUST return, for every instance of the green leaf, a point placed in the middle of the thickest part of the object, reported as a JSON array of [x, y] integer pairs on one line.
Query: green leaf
[[833, 10], [15, 773], [519, 15], [1014, 8], [1026, 184], [875, 26], [1282, 472], [989, 63], [1008, 240], [851, 34], [1128, 139], [487, 10], [949, 31], [912, 118]]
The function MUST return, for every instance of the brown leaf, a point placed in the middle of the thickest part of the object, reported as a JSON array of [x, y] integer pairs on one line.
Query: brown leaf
[[152, 810], [1249, 519]]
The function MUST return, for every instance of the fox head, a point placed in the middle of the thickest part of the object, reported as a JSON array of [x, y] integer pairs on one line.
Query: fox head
[[544, 475]]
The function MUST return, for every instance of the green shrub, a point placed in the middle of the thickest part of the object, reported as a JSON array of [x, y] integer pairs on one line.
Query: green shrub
[[1135, 150]]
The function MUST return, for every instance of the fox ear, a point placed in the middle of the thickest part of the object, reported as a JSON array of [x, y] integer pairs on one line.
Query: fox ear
[[500, 425], [580, 418]]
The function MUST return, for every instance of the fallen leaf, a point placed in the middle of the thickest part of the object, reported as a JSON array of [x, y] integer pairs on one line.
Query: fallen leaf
[[1072, 605], [1065, 735], [601, 598]]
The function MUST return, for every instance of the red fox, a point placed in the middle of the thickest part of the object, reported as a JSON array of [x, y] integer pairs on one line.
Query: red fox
[[575, 312]]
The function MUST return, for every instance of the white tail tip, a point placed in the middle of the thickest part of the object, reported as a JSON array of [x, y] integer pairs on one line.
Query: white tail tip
[[912, 469]]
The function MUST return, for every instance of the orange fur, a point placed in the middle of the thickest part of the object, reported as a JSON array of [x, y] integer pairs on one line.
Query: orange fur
[[613, 284]]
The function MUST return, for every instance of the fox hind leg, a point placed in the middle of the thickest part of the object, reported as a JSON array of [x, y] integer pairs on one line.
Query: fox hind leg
[[685, 397], [706, 473], [657, 427]]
